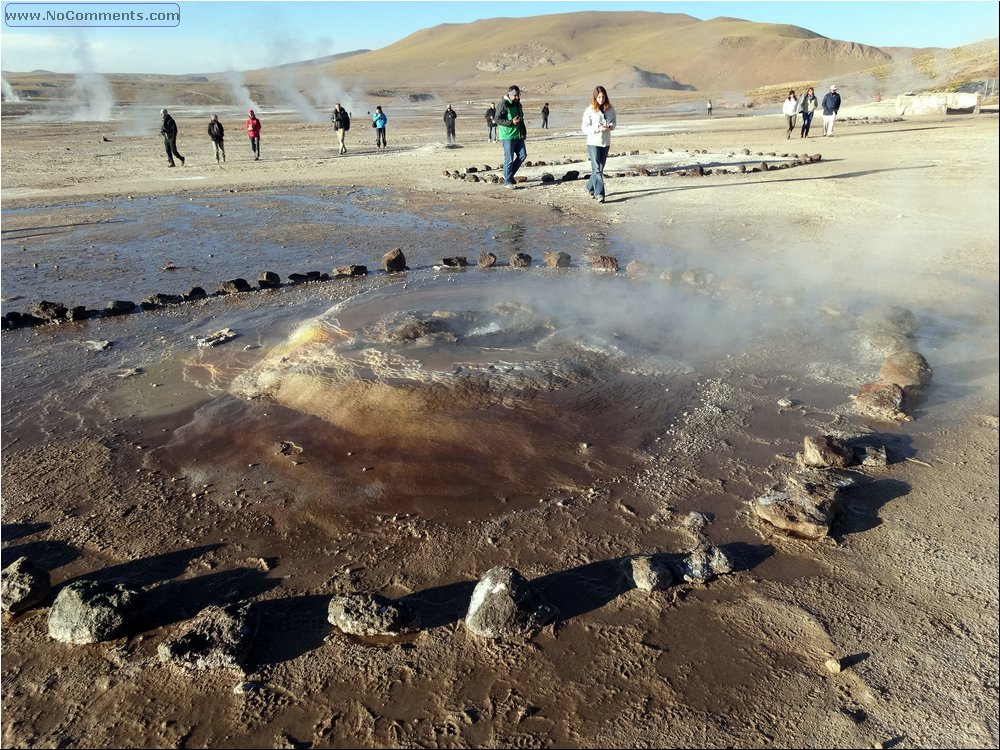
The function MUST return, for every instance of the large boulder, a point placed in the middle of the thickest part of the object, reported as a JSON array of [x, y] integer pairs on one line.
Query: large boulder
[[371, 615], [90, 612], [703, 563], [651, 572], [554, 259], [22, 586], [882, 401], [506, 606]]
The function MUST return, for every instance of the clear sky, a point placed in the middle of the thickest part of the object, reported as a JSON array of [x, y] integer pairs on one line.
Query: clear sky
[[218, 36]]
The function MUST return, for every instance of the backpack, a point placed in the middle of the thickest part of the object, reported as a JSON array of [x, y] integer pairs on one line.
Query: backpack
[[346, 121]]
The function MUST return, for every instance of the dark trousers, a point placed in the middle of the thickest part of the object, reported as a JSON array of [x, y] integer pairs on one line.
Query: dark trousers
[[170, 144], [255, 146], [380, 138], [450, 132], [807, 118], [545, 121], [220, 150]]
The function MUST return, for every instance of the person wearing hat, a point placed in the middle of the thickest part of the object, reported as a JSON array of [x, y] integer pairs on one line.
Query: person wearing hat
[[253, 130], [831, 106], [512, 132], [168, 129], [217, 133]]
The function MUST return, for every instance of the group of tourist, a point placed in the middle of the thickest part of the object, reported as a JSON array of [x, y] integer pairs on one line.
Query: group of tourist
[[506, 125], [806, 106]]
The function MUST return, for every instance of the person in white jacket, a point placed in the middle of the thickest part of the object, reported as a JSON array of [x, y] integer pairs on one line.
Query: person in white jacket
[[789, 109], [599, 120]]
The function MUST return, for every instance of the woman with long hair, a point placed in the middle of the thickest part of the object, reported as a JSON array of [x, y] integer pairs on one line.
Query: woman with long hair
[[599, 120]]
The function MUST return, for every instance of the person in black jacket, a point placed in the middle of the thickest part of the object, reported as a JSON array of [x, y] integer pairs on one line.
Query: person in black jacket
[[217, 133], [450, 116], [545, 116], [831, 106], [168, 129], [341, 124], [491, 123]]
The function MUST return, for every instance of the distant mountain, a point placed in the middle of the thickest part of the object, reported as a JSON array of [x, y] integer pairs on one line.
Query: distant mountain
[[634, 53], [622, 50]]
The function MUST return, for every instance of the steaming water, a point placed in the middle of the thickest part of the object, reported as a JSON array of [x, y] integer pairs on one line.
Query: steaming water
[[449, 393]]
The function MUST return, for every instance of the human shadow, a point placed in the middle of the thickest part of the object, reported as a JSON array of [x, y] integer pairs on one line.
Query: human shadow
[[860, 505], [174, 601]]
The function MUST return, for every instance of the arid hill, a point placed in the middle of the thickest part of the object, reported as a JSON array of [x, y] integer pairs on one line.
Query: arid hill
[[638, 54]]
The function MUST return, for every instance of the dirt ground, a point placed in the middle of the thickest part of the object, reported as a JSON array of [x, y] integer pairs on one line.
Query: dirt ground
[[904, 593]]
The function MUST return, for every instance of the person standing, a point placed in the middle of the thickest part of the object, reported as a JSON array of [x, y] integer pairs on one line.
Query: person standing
[[709, 107], [341, 124], [807, 107], [545, 116], [253, 130], [217, 133], [168, 129], [491, 123], [599, 119], [831, 106], [512, 132], [788, 108], [378, 121], [450, 116]]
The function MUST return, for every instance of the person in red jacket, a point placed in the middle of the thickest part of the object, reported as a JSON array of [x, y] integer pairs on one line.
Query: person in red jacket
[[253, 130]]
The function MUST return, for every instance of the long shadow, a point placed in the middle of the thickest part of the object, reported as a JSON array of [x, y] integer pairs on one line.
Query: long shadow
[[8, 232], [441, 605], [137, 574], [627, 195], [44, 554], [860, 506], [11, 531], [289, 628], [174, 601]]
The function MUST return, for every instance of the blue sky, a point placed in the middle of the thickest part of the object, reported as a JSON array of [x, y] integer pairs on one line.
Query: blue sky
[[218, 36]]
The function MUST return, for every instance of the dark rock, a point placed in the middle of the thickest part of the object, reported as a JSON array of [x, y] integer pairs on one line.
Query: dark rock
[[459, 261], [119, 307], [48, 311], [195, 292], [486, 260], [704, 563], [520, 260], [234, 286], [571, 175], [472, 178], [161, 300], [268, 280], [505, 605], [79, 313], [547, 178], [394, 261], [471, 170], [90, 612], [22, 586]]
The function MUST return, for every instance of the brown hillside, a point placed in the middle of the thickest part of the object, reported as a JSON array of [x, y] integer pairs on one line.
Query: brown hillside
[[624, 50], [634, 54]]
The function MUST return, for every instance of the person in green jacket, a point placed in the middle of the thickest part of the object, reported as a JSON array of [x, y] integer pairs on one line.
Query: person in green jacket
[[512, 132]]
